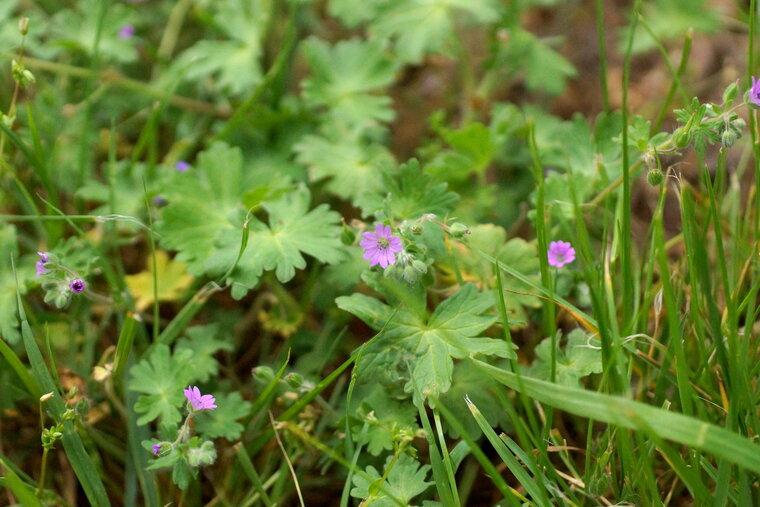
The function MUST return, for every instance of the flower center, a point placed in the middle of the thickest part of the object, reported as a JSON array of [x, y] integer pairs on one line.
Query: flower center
[[383, 243]]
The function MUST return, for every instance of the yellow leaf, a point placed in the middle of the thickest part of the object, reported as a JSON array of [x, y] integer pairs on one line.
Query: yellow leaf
[[172, 281]]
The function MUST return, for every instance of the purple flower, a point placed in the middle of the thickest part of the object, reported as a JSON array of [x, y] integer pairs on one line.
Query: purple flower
[[561, 253], [126, 32], [182, 166], [40, 265], [380, 247], [160, 201], [156, 449], [754, 92], [76, 285], [198, 401]]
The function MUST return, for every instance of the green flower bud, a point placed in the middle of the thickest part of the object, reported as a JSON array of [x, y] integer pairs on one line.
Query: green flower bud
[[458, 230], [654, 177], [294, 380], [23, 25], [419, 266], [347, 235], [203, 455], [7, 120], [21, 74], [409, 274], [728, 138], [738, 124], [681, 137], [730, 93], [263, 373]]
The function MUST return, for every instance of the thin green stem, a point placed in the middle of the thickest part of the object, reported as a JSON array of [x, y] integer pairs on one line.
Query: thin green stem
[[43, 470], [602, 55], [625, 251]]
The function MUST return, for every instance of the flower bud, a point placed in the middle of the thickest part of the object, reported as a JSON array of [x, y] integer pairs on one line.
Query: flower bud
[[730, 93], [347, 235], [23, 25], [681, 137], [728, 138], [21, 74], [654, 177], [294, 380], [263, 373], [458, 230], [739, 124], [419, 266]]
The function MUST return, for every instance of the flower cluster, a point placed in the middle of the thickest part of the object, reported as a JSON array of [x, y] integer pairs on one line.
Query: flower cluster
[[70, 279], [196, 402]]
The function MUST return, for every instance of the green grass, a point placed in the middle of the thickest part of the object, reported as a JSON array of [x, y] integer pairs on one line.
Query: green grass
[[453, 377]]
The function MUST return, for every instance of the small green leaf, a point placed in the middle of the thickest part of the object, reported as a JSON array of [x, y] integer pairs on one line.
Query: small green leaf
[[222, 421], [411, 193], [343, 78], [472, 151], [582, 356], [161, 378], [419, 27], [426, 345], [406, 480], [202, 342], [235, 60], [350, 166], [293, 230]]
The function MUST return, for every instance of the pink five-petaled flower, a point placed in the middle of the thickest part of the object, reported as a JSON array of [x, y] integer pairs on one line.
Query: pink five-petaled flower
[[198, 401], [126, 32], [380, 247], [76, 285], [182, 166], [561, 253], [754, 92], [40, 265]]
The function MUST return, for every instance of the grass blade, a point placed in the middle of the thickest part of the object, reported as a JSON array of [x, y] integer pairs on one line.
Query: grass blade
[[630, 414]]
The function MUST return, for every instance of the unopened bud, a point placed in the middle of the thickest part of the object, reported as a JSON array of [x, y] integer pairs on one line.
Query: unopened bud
[[681, 137], [728, 138], [730, 94], [263, 373], [347, 235], [294, 380], [46, 397], [654, 177], [23, 25], [458, 230]]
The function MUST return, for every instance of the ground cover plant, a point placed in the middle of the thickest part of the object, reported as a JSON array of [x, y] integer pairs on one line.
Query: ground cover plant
[[390, 252]]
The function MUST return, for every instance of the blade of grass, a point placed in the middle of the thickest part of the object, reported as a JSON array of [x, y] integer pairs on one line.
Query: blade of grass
[[245, 462], [509, 493], [23, 492], [627, 414], [18, 367], [83, 466], [625, 250], [532, 485], [124, 345]]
